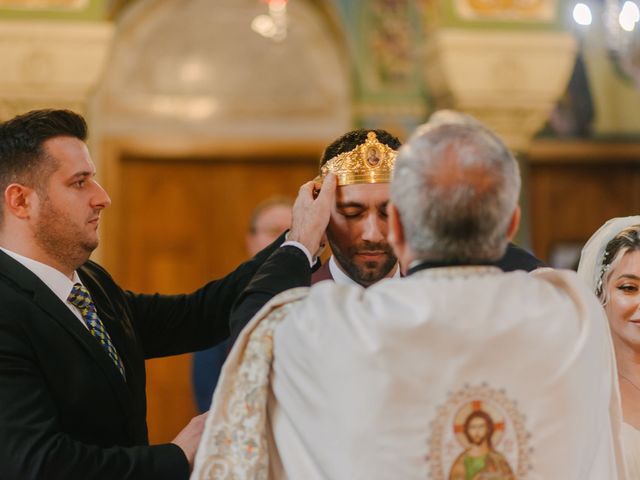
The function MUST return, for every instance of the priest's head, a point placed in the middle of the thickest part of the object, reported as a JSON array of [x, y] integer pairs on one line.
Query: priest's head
[[357, 232], [454, 195]]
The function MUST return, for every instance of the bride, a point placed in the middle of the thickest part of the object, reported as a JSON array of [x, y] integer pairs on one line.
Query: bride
[[610, 264]]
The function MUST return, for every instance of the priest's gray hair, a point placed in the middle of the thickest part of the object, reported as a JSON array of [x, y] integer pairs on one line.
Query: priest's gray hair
[[456, 186]]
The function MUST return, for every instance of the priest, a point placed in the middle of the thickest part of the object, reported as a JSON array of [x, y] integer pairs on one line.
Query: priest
[[459, 370]]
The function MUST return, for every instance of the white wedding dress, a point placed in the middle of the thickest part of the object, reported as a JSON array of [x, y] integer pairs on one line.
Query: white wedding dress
[[631, 448]]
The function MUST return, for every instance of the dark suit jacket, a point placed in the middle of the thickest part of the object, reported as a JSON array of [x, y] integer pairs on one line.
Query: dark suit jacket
[[287, 267], [65, 410]]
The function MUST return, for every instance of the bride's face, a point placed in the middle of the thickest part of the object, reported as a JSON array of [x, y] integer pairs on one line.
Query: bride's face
[[623, 307]]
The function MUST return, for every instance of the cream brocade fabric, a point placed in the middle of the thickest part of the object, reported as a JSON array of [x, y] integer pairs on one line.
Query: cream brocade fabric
[[235, 441], [322, 425]]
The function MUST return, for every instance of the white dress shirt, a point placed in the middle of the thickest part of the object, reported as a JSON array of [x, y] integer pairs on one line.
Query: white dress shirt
[[57, 281]]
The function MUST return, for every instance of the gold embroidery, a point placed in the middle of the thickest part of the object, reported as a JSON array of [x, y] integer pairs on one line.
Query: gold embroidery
[[235, 442], [369, 162]]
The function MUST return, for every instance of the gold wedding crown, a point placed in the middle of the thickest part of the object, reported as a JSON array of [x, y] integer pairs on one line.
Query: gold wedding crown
[[369, 162]]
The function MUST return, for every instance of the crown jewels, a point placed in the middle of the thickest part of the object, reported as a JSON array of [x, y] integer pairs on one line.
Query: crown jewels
[[369, 162]]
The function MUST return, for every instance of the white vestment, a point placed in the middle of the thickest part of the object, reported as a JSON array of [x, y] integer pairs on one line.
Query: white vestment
[[450, 373]]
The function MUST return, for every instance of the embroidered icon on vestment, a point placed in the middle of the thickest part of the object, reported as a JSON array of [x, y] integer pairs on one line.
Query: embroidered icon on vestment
[[478, 434]]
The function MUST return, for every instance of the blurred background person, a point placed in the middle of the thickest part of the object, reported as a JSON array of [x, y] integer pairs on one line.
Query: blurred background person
[[268, 220], [610, 264]]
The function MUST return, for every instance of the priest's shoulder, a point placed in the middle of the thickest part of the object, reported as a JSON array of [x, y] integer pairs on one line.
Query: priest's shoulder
[[328, 294], [568, 282]]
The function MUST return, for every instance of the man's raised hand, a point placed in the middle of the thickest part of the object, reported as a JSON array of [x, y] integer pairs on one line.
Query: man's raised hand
[[311, 215]]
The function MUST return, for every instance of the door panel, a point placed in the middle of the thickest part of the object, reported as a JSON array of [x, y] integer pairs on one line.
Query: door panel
[[181, 223], [575, 187]]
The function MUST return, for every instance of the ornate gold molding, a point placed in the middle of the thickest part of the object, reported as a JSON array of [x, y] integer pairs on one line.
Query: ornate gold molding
[[44, 4], [9, 108], [528, 10], [507, 79], [50, 64]]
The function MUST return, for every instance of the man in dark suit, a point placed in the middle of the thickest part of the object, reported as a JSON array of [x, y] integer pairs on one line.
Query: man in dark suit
[[357, 230], [72, 342]]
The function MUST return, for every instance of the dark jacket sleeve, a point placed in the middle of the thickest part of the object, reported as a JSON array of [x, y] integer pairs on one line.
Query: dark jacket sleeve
[[175, 324], [517, 258], [287, 267]]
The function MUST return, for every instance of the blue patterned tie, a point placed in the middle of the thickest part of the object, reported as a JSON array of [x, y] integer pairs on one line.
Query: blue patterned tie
[[80, 298]]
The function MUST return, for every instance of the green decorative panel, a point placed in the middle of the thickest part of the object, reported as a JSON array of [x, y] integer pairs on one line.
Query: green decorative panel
[[84, 10], [389, 87], [498, 14]]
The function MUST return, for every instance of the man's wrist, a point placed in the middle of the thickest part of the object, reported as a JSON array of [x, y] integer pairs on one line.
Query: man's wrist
[[296, 244]]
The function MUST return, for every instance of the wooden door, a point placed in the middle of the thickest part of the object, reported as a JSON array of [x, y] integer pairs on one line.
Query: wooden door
[[574, 187], [181, 222]]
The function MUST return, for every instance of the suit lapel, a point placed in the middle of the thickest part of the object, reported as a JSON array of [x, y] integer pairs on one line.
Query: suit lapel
[[53, 307]]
